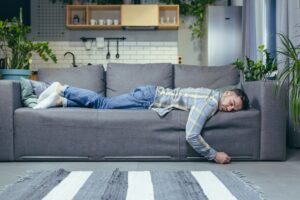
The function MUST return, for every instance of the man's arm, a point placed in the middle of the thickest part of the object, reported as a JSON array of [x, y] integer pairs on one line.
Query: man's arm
[[198, 116]]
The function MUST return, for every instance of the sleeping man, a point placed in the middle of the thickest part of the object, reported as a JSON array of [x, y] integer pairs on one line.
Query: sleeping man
[[201, 103]]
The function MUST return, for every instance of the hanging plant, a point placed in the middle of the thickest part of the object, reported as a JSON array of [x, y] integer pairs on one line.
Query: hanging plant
[[195, 8]]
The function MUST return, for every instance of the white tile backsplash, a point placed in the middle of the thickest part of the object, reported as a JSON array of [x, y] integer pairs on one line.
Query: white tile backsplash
[[130, 52]]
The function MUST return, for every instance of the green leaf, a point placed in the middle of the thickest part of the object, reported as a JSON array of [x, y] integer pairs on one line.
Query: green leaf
[[291, 74]]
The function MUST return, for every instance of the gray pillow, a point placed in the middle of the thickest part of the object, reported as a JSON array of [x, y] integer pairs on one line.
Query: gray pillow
[[229, 87], [38, 87], [122, 78], [208, 77], [86, 77], [29, 99]]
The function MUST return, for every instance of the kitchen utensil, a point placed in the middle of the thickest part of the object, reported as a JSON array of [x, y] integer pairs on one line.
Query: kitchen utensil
[[88, 45], [117, 55], [100, 42], [108, 53]]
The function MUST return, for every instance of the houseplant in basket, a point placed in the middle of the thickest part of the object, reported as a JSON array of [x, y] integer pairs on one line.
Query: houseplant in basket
[[18, 50]]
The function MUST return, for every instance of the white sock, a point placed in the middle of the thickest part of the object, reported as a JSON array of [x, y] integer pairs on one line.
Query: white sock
[[51, 89], [50, 101]]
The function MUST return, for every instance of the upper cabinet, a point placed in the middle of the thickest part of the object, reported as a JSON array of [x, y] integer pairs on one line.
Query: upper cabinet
[[139, 15], [122, 16], [168, 17]]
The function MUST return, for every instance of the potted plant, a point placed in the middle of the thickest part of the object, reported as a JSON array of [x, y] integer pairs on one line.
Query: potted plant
[[262, 69], [291, 74], [18, 50]]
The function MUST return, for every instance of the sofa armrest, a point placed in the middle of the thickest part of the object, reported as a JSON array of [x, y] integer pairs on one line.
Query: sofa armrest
[[10, 100], [273, 108]]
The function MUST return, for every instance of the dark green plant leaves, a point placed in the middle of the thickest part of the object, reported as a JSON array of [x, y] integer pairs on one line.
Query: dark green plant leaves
[[16, 46], [259, 70], [291, 74], [196, 8]]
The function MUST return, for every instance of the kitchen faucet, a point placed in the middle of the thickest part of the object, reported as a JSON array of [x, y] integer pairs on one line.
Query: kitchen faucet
[[73, 56]]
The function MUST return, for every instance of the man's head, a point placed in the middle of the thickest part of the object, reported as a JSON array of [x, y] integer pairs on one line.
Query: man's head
[[233, 100]]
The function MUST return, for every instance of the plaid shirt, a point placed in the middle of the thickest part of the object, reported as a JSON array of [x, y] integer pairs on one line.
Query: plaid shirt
[[202, 103]]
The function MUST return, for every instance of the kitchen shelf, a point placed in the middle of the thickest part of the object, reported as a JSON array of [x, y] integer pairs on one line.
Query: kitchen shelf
[[112, 27], [79, 10], [142, 16], [168, 17]]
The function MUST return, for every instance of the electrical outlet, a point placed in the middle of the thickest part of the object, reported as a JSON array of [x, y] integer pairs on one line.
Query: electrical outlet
[[179, 59]]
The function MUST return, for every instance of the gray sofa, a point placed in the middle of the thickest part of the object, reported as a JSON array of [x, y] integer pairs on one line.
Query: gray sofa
[[83, 134]]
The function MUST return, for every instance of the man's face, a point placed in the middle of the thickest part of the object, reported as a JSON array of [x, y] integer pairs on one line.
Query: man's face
[[230, 102]]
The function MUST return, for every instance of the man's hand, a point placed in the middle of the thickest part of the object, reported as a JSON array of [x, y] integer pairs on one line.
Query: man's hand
[[222, 158]]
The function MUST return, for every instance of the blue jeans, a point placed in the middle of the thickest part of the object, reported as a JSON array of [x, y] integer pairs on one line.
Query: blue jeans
[[140, 98]]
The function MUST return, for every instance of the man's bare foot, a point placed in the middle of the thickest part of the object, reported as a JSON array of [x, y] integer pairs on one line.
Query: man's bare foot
[[222, 158]]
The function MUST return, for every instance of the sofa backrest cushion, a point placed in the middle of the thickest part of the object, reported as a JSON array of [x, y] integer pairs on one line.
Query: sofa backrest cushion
[[123, 78], [87, 77], [209, 77]]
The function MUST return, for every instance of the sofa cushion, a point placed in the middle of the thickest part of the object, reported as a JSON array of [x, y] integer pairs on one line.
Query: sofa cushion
[[88, 77], [98, 134], [95, 133], [236, 133], [38, 87], [210, 77], [229, 87], [122, 78]]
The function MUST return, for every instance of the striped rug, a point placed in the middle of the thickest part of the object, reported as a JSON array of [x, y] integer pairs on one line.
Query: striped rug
[[130, 185]]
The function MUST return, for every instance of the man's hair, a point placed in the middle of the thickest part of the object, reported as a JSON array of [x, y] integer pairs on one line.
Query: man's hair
[[240, 93]]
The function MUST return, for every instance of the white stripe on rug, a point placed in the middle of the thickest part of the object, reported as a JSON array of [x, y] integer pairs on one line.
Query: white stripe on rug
[[139, 186], [212, 187], [68, 188]]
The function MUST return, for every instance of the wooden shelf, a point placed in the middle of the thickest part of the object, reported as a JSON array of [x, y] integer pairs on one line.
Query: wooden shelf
[[112, 27], [167, 26], [144, 15], [168, 16]]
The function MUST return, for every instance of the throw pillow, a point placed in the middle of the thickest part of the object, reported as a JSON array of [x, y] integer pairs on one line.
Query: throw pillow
[[38, 87], [28, 97]]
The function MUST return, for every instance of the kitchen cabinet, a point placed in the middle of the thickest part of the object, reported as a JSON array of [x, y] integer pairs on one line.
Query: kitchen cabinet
[[93, 16], [139, 15], [168, 17], [142, 16]]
